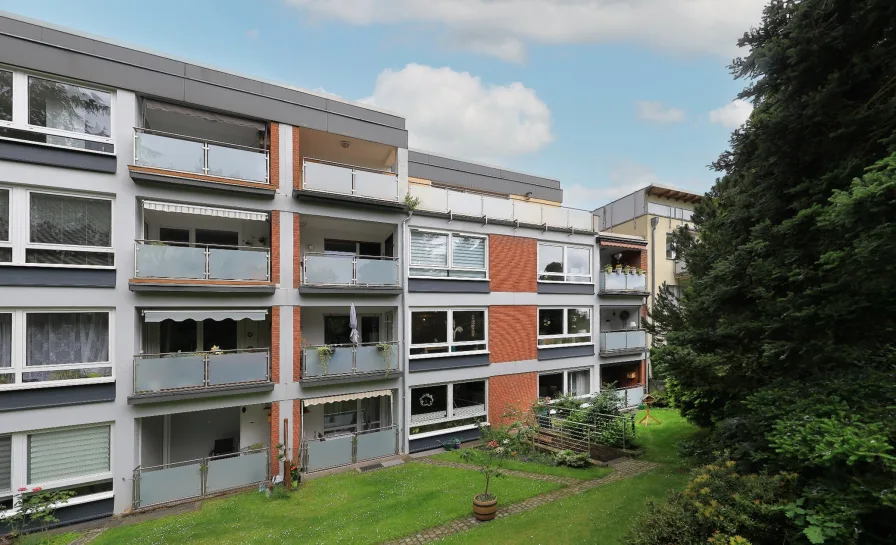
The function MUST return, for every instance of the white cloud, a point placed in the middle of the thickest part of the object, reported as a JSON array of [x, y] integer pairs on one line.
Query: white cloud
[[624, 178], [657, 112], [454, 113], [732, 115], [502, 28], [252, 33]]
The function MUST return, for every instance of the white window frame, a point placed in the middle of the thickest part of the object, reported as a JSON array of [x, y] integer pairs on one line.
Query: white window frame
[[449, 410], [565, 328], [565, 275], [565, 373], [19, 473], [20, 111], [20, 228], [450, 266], [670, 247], [19, 340], [450, 334]]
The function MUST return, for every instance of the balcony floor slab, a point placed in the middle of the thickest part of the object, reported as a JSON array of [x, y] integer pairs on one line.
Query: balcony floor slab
[[145, 175], [622, 352], [200, 393], [624, 292], [199, 286], [347, 200], [314, 382], [353, 290]]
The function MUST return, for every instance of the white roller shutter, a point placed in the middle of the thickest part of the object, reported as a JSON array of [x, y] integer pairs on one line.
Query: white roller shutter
[[68, 453], [429, 249], [468, 252]]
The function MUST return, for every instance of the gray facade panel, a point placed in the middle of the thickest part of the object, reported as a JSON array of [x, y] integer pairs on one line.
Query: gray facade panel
[[20, 28], [348, 290], [357, 112], [565, 352], [463, 166], [184, 395], [367, 131], [56, 157], [73, 514], [431, 285], [223, 79], [38, 398], [295, 97], [530, 179], [434, 442], [12, 275], [448, 362], [550, 287], [199, 288]]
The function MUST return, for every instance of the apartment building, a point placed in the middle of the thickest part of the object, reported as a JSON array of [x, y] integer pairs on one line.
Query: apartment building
[[197, 266]]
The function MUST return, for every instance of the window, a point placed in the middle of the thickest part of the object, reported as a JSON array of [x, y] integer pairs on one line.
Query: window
[[5, 464], [670, 247], [560, 263], [445, 332], [572, 382], [5, 246], [45, 348], [56, 113], [68, 453], [564, 326], [340, 417], [448, 255], [68, 230], [447, 406]]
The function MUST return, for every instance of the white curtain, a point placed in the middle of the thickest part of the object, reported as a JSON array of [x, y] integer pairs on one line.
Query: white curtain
[[579, 382], [75, 221], [67, 338], [5, 340]]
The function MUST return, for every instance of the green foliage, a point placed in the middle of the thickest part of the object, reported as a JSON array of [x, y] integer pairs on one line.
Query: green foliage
[[35, 507], [721, 506], [784, 340], [569, 458], [489, 460], [602, 412]]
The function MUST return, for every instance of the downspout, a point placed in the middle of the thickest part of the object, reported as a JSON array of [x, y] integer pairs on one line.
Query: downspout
[[654, 221], [404, 443]]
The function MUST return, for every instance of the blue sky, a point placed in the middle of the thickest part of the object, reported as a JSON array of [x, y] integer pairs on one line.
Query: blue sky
[[604, 95]]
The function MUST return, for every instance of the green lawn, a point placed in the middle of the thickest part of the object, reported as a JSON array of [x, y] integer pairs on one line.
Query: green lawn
[[49, 539], [604, 514], [592, 472], [344, 508]]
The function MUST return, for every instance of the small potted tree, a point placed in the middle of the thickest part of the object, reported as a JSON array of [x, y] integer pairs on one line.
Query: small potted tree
[[489, 461]]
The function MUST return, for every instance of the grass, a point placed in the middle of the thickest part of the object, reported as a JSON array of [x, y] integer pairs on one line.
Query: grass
[[604, 514], [592, 472], [343, 508], [42, 538]]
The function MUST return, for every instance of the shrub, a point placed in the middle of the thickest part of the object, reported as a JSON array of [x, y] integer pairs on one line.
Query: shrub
[[721, 507], [569, 458]]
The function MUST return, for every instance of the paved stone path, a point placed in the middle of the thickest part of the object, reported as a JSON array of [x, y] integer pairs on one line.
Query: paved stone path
[[88, 536], [624, 468]]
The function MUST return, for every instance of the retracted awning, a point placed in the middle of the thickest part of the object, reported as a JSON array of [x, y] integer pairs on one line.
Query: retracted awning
[[217, 315], [204, 211], [345, 397]]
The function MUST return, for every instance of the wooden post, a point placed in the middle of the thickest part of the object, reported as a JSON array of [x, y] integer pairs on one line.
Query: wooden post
[[287, 475]]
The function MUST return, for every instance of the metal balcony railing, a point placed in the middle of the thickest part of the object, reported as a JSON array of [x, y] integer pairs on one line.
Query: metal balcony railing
[[485, 207], [337, 360], [618, 341], [200, 370], [349, 448], [179, 153], [620, 281], [157, 259], [349, 180], [320, 269]]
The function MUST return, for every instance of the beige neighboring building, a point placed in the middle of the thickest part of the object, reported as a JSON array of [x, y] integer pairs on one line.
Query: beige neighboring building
[[653, 213]]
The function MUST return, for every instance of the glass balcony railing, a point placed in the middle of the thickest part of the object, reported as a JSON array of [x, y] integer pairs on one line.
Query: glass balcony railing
[[199, 370], [345, 360], [681, 268], [621, 281], [630, 397], [623, 341], [349, 180], [156, 259], [350, 448], [474, 205], [349, 270], [179, 153]]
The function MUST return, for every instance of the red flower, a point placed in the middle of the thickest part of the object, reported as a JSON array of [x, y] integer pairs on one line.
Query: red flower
[[36, 489], [493, 444], [23, 489]]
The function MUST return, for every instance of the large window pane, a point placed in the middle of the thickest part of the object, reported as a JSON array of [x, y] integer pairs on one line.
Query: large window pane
[[469, 399], [69, 107], [429, 249], [550, 385], [68, 453], [4, 214], [71, 221], [550, 321], [578, 321], [66, 338], [341, 416], [467, 252], [5, 95], [578, 262], [70, 257], [429, 403], [5, 340], [550, 260], [469, 325], [670, 247], [578, 382], [429, 327]]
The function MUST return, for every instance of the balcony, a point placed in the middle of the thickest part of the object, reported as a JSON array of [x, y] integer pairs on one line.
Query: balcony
[[350, 448], [500, 210], [630, 397], [198, 265], [349, 270], [158, 377], [352, 182], [159, 154], [622, 342], [681, 268], [347, 362], [623, 283]]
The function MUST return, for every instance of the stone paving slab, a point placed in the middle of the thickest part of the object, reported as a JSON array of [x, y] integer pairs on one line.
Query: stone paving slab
[[624, 469]]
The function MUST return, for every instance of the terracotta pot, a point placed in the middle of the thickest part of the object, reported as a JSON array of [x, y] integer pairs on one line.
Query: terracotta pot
[[485, 510]]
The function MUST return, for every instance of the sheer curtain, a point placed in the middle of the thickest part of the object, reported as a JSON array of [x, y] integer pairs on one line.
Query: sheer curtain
[[579, 382], [70, 338], [5, 341]]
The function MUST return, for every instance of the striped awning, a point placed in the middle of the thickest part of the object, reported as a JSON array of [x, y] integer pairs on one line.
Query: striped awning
[[217, 315], [345, 397], [205, 211]]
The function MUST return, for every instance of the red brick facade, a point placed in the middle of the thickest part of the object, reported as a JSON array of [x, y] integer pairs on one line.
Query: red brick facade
[[275, 437], [274, 156], [296, 252], [510, 392], [296, 431], [275, 345], [296, 160], [512, 332], [513, 263], [275, 246]]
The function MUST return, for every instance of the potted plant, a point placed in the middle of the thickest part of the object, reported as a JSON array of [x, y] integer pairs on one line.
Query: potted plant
[[618, 268], [626, 270], [489, 461], [608, 268], [323, 356], [386, 350]]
